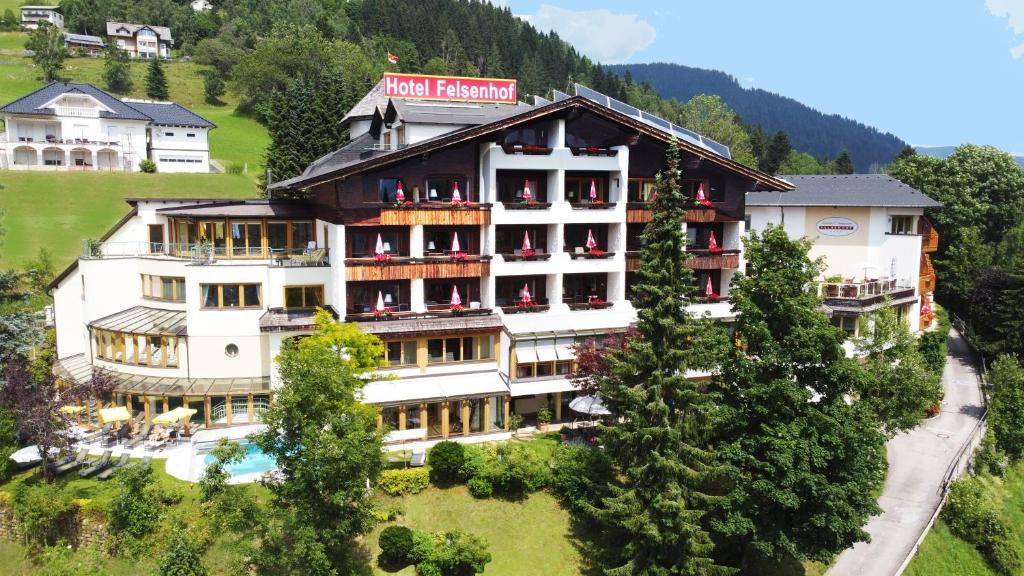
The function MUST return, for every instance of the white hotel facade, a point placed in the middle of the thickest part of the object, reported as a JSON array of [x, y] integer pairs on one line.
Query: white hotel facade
[[189, 301]]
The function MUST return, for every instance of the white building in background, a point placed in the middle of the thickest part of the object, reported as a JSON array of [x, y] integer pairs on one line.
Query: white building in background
[[32, 15], [141, 40], [201, 5], [873, 234], [67, 126], [188, 301]]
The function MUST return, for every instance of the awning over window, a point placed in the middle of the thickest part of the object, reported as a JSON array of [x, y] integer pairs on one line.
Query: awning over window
[[144, 320], [440, 387]]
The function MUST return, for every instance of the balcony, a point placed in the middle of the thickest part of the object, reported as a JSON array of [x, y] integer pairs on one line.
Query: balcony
[[704, 259], [206, 253], [526, 149], [434, 214], [407, 268], [929, 236], [846, 294], [640, 213]]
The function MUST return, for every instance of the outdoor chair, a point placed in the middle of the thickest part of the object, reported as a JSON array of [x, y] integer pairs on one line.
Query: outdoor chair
[[313, 258], [147, 461], [419, 458], [96, 466], [140, 436], [101, 433], [71, 464], [121, 462]]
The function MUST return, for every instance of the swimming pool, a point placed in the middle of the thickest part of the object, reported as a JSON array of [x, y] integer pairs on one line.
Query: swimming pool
[[254, 462]]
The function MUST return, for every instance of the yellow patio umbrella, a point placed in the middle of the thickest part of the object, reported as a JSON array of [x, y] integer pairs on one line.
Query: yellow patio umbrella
[[178, 414], [71, 409], [115, 414]]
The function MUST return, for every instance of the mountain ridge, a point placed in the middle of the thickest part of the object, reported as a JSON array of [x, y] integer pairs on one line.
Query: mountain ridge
[[819, 134]]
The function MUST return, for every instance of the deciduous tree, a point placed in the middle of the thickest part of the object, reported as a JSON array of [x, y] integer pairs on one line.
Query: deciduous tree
[[117, 71], [48, 51], [1006, 405], [801, 462], [708, 116]]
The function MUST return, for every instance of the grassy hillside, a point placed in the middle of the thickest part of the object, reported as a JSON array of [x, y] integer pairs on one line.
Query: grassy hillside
[[56, 210]]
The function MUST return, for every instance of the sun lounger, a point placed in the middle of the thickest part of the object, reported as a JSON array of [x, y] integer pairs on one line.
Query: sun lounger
[[419, 458], [147, 461], [97, 466], [98, 435], [141, 436], [121, 462], [72, 463]]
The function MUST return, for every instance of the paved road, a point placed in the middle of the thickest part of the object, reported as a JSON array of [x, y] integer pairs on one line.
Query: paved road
[[918, 460]]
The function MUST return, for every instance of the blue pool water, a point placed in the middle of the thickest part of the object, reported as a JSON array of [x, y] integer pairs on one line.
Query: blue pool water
[[255, 462]]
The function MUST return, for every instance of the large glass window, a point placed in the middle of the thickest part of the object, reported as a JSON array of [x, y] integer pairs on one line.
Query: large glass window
[[214, 232], [511, 186], [902, 225], [169, 288], [302, 235], [303, 296], [246, 239], [154, 350], [442, 350], [577, 188], [231, 295], [388, 190], [277, 236], [442, 188], [640, 189], [400, 353]]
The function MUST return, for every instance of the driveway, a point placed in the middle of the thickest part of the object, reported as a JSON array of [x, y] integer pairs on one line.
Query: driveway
[[918, 461]]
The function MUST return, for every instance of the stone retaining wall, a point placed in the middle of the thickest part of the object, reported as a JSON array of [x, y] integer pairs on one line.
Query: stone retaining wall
[[81, 528]]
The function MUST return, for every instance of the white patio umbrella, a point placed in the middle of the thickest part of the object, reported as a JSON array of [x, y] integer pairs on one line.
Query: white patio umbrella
[[380, 301], [455, 243], [527, 195], [526, 242], [27, 455], [456, 196], [590, 405], [593, 191], [379, 249], [456, 299], [591, 243]]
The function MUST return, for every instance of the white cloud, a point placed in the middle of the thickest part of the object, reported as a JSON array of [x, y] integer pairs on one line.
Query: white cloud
[[600, 34], [1013, 11]]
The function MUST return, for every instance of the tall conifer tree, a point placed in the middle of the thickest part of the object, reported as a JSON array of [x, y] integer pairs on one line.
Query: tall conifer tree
[[156, 81], [660, 446]]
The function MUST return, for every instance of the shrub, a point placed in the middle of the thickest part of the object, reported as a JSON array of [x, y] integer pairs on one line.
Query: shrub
[[480, 487], [387, 514], [967, 511], [170, 496], [147, 166], [404, 481], [65, 561], [580, 474], [135, 509], [989, 459], [213, 88], [455, 554], [933, 349], [235, 168], [395, 545], [182, 557], [40, 509], [473, 460], [1003, 556], [515, 470], [446, 460], [515, 422], [422, 546]]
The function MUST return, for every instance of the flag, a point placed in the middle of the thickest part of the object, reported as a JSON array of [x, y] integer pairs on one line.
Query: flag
[[526, 294], [593, 191], [380, 301], [455, 243], [380, 246], [456, 196], [527, 195], [392, 59], [591, 243], [400, 193], [456, 299]]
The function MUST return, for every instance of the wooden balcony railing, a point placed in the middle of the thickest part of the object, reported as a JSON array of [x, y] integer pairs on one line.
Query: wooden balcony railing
[[358, 269], [640, 213], [435, 214], [706, 260]]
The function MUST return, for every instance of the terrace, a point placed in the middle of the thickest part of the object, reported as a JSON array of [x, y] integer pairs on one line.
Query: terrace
[[848, 295]]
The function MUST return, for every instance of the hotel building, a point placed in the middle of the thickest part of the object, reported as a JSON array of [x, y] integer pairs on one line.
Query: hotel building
[[873, 235], [480, 241]]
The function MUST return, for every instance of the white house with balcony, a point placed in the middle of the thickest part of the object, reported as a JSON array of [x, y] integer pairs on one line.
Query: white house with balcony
[[67, 126], [32, 15], [872, 233], [141, 40]]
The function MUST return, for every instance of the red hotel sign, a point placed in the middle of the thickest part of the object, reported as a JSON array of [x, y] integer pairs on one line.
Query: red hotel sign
[[423, 87]]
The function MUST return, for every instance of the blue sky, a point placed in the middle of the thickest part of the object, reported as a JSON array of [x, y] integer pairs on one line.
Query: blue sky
[[933, 73]]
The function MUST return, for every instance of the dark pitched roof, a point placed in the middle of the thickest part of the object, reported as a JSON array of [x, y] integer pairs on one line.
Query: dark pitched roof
[[357, 150], [83, 39], [845, 190], [163, 32], [372, 102], [31, 102], [457, 113], [171, 114], [327, 172], [242, 209]]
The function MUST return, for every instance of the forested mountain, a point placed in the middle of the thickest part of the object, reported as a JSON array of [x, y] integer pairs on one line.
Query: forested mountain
[[821, 135]]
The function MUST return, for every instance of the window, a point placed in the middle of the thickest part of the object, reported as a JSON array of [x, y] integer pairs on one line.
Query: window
[[902, 224], [511, 185], [169, 288], [303, 296], [388, 188], [526, 370], [246, 238], [577, 188], [640, 189], [231, 295], [442, 188], [847, 323], [156, 238], [400, 353], [441, 350], [169, 134], [387, 140], [400, 135], [231, 350], [302, 235], [154, 350], [190, 135]]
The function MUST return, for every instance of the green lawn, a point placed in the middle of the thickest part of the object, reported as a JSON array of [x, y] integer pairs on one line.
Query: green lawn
[[57, 210], [945, 554], [524, 538]]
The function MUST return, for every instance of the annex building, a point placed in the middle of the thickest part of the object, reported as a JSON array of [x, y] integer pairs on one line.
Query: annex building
[[873, 235], [479, 240], [69, 126]]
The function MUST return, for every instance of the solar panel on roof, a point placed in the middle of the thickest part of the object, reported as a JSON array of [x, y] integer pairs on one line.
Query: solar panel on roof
[[559, 96], [538, 101], [650, 120]]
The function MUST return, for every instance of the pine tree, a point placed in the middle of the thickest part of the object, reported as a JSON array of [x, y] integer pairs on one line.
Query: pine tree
[[117, 72], [660, 446], [776, 153], [802, 462], [213, 88], [906, 152], [843, 163], [156, 81]]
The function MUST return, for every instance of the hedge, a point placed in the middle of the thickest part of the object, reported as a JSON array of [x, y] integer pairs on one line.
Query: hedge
[[404, 481]]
